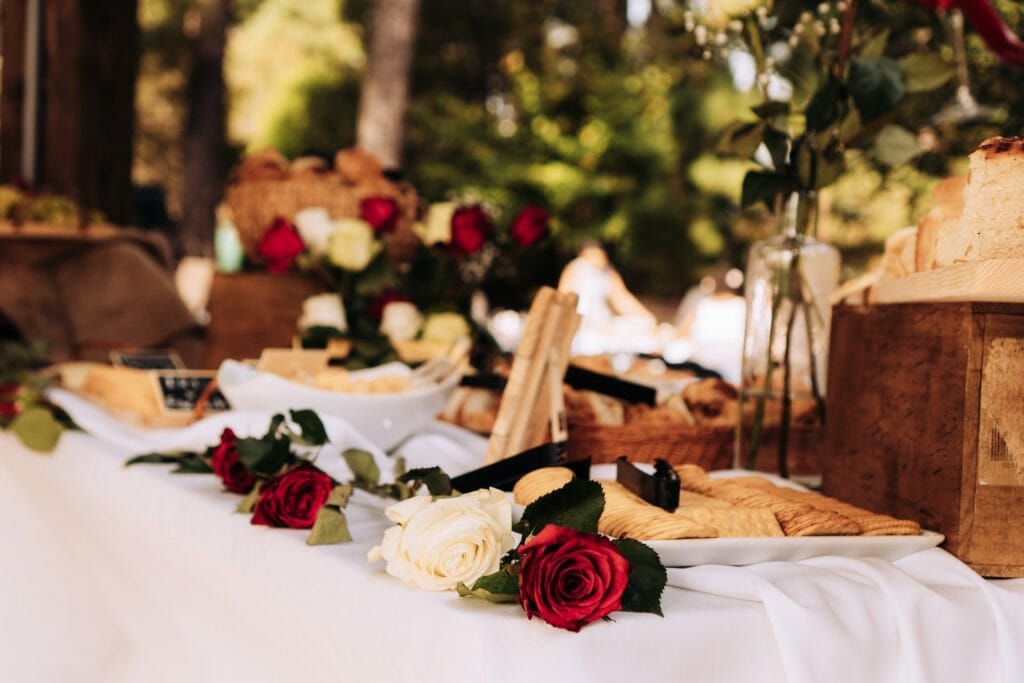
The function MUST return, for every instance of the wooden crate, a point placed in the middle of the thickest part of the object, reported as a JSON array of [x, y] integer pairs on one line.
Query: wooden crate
[[251, 311], [926, 421]]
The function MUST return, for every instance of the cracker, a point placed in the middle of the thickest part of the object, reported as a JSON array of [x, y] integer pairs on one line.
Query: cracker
[[626, 514], [735, 522], [533, 485], [871, 523], [795, 518], [691, 499]]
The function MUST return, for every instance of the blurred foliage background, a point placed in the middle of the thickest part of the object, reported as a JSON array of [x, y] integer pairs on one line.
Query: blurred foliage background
[[606, 112]]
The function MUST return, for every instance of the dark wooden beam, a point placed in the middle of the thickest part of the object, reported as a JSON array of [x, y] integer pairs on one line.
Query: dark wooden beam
[[12, 87]]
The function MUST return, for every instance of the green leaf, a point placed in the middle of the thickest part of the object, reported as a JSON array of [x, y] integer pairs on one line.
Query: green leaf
[[330, 527], [500, 586], [434, 478], [264, 456], [363, 466], [925, 71], [895, 146], [764, 186], [37, 429], [827, 105], [275, 424], [741, 139], [577, 505], [340, 495], [249, 502], [876, 86], [875, 45], [778, 147], [156, 458], [191, 463], [647, 577], [312, 427], [817, 163], [771, 109]]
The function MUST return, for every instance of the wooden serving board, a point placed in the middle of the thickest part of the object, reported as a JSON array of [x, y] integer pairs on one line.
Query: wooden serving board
[[992, 280]]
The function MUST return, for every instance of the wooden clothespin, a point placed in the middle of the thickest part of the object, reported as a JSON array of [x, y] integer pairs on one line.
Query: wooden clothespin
[[532, 410]]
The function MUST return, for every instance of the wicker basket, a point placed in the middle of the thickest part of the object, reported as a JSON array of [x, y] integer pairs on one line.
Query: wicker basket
[[256, 203], [711, 447]]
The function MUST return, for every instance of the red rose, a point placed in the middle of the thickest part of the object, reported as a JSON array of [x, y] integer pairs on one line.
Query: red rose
[[9, 406], [280, 246], [228, 467], [470, 227], [937, 4], [531, 225], [293, 499], [380, 212], [569, 578]]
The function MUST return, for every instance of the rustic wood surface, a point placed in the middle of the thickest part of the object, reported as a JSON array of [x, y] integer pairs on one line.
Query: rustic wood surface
[[915, 391], [991, 280]]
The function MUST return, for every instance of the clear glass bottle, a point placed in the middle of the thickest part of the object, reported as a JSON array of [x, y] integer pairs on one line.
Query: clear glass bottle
[[789, 280]]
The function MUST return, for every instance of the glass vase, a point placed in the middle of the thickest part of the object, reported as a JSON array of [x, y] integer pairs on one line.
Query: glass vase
[[789, 280]]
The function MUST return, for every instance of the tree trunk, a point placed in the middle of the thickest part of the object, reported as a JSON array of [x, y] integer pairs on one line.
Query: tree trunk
[[90, 60], [385, 91], [204, 164]]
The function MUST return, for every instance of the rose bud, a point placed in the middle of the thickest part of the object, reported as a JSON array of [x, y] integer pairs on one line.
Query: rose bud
[[9, 406], [280, 246], [293, 499], [229, 467], [470, 227], [569, 578], [380, 212], [531, 225]]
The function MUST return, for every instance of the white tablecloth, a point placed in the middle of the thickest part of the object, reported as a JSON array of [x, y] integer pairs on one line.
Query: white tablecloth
[[115, 574]]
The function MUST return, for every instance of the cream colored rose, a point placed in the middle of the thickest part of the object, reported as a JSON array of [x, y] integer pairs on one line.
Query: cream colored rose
[[315, 228], [439, 543], [401, 321], [323, 310], [352, 244], [437, 228], [445, 327]]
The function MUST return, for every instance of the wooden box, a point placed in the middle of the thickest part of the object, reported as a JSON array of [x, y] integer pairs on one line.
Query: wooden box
[[926, 421], [251, 311]]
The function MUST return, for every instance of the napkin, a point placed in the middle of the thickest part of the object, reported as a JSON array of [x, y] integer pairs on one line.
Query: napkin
[[927, 617]]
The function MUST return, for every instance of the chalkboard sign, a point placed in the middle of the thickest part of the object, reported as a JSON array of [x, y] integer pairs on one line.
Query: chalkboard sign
[[148, 359], [180, 391]]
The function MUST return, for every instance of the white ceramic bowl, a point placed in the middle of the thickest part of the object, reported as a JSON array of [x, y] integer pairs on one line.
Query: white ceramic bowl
[[385, 419]]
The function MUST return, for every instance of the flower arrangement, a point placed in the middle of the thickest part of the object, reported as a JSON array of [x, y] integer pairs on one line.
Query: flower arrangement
[[24, 410], [282, 485], [561, 570]]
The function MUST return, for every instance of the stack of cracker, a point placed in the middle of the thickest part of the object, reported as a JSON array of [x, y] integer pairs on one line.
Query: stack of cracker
[[719, 508]]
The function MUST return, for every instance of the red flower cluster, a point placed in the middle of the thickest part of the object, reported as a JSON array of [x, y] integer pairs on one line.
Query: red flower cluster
[[293, 499], [280, 246], [380, 212], [470, 228], [570, 578], [531, 225], [229, 467], [9, 400]]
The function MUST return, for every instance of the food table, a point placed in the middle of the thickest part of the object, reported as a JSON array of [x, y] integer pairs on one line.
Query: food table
[[122, 574]]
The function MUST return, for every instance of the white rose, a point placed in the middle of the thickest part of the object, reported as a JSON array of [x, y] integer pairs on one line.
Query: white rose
[[438, 544], [352, 244], [445, 327], [437, 228], [401, 321], [315, 227], [323, 310]]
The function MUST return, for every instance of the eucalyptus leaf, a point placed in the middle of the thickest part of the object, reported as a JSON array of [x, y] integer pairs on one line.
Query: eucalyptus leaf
[[312, 427], [330, 527], [876, 86], [363, 466], [577, 505], [249, 502], [741, 139], [647, 577], [895, 146], [37, 429], [497, 587], [340, 495], [925, 71], [765, 186], [434, 478]]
